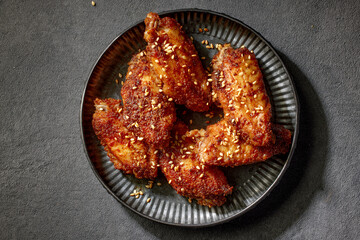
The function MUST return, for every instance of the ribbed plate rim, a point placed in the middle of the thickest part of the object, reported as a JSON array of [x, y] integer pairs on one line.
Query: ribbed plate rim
[[281, 173]]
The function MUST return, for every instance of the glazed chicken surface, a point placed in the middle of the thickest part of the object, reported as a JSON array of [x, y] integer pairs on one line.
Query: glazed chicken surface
[[177, 63], [239, 89], [127, 151], [141, 132], [147, 110], [224, 146], [187, 175]]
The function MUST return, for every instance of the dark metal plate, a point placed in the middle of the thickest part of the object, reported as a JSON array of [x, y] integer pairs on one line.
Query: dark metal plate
[[251, 183]]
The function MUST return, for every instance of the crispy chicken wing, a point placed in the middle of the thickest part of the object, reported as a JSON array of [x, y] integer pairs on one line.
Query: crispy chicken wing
[[224, 146], [127, 151], [181, 167], [239, 88], [177, 63], [147, 110]]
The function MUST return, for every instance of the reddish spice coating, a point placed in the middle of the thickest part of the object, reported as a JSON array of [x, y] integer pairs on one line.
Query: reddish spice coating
[[185, 173], [224, 146], [149, 113], [177, 63], [239, 88], [127, 151]]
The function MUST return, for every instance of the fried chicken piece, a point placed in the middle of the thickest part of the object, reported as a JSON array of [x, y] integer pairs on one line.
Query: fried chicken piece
[[239, 88], [184, 172], [147, 110], [177, 63], [224, 146], [127, 151]]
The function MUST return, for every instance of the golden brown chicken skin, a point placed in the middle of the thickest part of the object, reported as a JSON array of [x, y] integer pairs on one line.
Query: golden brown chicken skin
[[147, 110], [184, 172], [128, 152], [239, 89], [224, 146], [177, 63]]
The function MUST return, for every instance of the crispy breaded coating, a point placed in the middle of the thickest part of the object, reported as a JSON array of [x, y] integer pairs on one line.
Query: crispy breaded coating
[[128, 152], [147, 110], [177, 63], [239, 88], [224, 146], [184, 172]]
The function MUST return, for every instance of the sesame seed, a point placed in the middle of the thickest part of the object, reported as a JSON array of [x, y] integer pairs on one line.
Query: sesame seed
[[179, 84], [203, 58], [200, 30], [127, 117], [140, 138], [170, 181], [117, 81], [159, 183], [193, 55], [130, 73], [134, 87], [201, 175], [93, 3], [206, 30], [148, 200], [170, 99]]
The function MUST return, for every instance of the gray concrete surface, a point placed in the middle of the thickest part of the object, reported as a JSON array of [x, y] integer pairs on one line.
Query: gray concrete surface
[[48, 191]]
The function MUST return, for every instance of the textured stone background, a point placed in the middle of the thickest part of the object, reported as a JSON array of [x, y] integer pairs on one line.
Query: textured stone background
[[47, 49]]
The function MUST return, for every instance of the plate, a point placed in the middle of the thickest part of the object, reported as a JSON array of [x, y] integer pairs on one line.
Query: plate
[[251, 183]]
